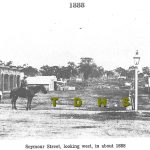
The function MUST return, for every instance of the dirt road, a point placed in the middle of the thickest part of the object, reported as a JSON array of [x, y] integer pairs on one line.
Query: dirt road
[[65, 121]]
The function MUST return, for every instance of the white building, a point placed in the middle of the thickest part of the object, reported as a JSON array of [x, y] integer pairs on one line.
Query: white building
[[47, 81]]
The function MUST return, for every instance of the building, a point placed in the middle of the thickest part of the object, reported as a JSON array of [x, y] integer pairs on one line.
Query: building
[[147, 83], [10, 77], [47, 81], [77, 78]]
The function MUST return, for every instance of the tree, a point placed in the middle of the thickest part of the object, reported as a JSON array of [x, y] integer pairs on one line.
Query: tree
[[55, 70], [72, 68], [45, 70], [86, 66], [146, 70], [64, 72], [100, 70], [9, 63], [121, 71], [30, 71], [109, 73], [131, 72], [97, 71], [1, 62], [51, 70], [140, 75]]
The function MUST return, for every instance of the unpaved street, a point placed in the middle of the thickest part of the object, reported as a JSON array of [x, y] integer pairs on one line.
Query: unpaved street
[[65, 121]]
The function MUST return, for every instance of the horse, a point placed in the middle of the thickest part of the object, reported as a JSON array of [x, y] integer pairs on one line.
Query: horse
[[28, 93]]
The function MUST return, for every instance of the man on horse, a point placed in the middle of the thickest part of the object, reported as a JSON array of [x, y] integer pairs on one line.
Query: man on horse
[[25, 92], [24, 83]]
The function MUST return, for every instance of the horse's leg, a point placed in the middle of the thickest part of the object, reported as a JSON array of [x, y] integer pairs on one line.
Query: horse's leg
[[14, 102], [27, 104], [30, 103]]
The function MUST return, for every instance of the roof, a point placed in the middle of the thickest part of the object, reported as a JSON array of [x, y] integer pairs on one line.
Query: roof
[[41, 79], [10, 67]]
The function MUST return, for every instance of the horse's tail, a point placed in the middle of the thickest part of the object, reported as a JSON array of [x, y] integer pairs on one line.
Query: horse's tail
[[11, 92]]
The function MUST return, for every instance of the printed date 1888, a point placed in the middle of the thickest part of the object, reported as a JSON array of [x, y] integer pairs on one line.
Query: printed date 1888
[[120, 145], [77, 5]]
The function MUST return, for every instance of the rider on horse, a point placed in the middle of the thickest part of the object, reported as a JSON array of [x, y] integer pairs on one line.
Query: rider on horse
[[24, 83]]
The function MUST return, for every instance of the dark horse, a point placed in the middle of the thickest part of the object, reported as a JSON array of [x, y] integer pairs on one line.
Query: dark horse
[[28, 93]]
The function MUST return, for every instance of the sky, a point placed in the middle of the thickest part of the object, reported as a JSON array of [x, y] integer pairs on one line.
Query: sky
[[48, 32]]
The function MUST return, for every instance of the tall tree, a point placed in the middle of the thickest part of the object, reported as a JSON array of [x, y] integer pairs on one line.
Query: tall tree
[[64, 72], [45, 70], [97, 71], [86, 65], [30, 71], [9, 63], [131, 72], [121, 71], [72, 68], [51, 70], [109, 73], [146, 70]]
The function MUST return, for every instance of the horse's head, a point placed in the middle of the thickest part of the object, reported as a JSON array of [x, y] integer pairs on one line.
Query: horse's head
[[43, 89]]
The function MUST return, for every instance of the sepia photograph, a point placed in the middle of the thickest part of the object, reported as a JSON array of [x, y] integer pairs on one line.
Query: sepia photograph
[[74, 70]]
